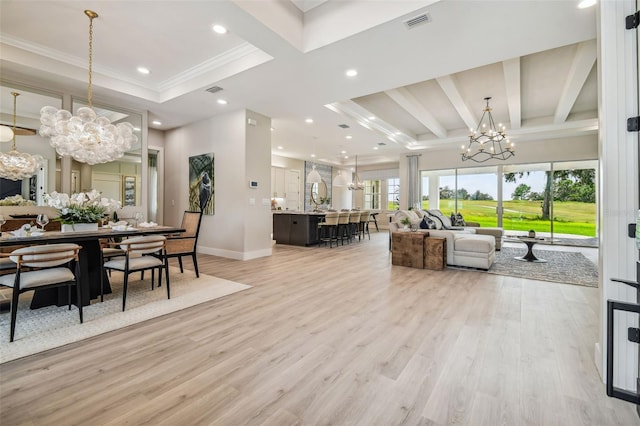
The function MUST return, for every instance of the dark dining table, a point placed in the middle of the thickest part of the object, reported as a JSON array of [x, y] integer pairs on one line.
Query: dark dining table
[[91, 271]]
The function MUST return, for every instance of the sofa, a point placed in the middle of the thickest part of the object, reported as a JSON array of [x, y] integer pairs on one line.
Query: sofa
[[465, 247]]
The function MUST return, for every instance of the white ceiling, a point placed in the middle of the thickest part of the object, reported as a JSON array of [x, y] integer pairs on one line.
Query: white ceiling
[[287, 60]]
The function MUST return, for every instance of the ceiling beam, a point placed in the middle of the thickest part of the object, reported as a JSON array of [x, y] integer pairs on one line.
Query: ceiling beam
[[511, 69], [407, 101], [582, 64], [448, 85]]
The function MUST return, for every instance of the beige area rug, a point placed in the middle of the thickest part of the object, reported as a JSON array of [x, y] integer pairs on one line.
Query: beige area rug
[[53, 326]]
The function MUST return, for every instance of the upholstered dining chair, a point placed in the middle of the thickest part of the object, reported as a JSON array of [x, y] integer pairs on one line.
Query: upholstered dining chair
[[141, 254], [49, 266], [184, 244]]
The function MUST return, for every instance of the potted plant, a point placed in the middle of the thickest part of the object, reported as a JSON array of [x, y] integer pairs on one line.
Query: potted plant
[[406, 222], [81, 211]]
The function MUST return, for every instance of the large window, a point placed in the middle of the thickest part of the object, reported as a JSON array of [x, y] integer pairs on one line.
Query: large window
[[372, 194], [393, 194], [556, 199]]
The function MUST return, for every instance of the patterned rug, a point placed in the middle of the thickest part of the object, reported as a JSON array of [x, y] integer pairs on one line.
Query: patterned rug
[[53, 326], [561, 266]]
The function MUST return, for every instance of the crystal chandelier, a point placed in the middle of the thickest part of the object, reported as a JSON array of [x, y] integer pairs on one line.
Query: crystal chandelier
[[486, 142], [16, 165], [357, 184], [86, 137]]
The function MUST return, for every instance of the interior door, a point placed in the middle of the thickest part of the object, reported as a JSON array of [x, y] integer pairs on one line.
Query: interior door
[[292, 196]]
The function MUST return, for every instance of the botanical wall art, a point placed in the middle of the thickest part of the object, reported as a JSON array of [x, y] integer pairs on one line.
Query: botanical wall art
[[201, 184]]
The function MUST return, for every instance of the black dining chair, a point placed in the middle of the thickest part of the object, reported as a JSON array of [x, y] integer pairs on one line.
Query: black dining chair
[[50, 265]]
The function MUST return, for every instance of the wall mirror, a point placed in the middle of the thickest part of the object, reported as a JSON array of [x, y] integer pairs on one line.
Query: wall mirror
[[28, 105], [319, 193]]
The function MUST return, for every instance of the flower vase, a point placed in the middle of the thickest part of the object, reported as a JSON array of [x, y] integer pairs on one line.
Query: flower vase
[[79, 227]]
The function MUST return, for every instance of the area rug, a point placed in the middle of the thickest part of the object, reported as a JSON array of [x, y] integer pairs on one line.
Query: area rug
[[50, 327], [561, 266]]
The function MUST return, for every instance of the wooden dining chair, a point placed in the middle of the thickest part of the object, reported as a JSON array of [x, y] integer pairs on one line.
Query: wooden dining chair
[[49, 265], [185, 243], [141, 254]]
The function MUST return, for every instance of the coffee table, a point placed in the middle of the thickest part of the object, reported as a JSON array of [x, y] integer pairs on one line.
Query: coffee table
[[530, 242]]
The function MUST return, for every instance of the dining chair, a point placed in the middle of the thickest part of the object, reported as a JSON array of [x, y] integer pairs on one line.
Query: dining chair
[[49, 266], [185, 243], [141, 254]]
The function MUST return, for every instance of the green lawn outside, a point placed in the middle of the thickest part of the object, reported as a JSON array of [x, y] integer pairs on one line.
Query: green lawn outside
[[570, 217]]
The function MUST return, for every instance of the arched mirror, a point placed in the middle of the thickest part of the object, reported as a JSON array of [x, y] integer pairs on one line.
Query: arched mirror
[[319, 193]]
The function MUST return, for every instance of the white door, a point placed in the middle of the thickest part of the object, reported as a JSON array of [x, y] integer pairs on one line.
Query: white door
[[293, 190]]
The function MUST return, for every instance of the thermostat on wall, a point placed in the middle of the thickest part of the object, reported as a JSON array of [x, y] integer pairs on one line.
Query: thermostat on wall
[[253, 184]]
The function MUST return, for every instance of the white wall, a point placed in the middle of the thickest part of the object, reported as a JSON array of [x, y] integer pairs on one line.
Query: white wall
[[238, 229]]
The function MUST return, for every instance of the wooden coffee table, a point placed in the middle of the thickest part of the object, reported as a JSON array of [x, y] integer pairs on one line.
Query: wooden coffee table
[[530, 242]]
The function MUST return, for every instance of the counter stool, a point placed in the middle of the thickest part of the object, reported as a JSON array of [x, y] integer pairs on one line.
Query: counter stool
[[354, 224], [343, 227], [328, 229], [364, 223]]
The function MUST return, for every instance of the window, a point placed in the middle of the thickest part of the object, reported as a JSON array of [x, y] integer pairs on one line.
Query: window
[[372, 194], [393, 194]]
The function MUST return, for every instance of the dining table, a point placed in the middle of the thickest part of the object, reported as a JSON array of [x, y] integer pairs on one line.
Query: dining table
[[90, 258]]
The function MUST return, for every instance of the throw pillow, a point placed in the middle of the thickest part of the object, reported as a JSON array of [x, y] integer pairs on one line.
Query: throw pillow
[[438, 221], [446, 222], [459, 220], [427, 223]]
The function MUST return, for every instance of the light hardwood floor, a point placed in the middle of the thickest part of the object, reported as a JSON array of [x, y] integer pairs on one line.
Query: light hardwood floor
[[334, 336]]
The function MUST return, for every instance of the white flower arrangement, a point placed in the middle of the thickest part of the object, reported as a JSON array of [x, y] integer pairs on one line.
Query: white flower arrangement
[[81, 207]]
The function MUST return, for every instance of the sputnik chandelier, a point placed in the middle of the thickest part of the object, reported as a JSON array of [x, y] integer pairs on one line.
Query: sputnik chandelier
[[16, 165], [486, 142], [86, 137]]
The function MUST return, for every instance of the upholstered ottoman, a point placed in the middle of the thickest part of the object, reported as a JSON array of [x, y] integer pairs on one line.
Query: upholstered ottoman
[[494, 232], [475, 251]]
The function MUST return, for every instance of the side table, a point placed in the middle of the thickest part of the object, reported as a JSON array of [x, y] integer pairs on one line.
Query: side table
[[407, 249], [435, 253]]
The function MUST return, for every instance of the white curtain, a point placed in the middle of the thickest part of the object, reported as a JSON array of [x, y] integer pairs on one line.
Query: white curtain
[[414, 182]]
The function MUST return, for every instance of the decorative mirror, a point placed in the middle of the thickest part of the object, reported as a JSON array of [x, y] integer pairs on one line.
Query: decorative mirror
[[319, 193]]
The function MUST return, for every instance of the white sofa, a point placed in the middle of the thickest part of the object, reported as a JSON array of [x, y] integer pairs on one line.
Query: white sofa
[[464, 246]]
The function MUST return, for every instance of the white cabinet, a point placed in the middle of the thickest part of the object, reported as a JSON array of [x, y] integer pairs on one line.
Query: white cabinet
[[278, 183]]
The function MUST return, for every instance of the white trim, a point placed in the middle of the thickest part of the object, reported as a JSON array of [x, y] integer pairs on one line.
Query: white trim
[[237, 255]]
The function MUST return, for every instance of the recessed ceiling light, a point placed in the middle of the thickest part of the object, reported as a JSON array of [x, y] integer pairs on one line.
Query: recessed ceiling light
[[371, 118], [346, 157], [222, 102], [136, 129], [157, 122], [343, 152], [351, 73], [375, 148], [219, 29], [280, 147], [143, 70], [349, 137], [586, 3], [309, 120], [273, 128], [313, 156]]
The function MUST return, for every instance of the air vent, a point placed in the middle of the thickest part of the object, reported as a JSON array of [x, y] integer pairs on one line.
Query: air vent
[[381, 143], [344, 126], [214, 89], [418, 20]]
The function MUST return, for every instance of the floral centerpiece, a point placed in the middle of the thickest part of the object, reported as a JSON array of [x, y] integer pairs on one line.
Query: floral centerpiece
[[81, 208]]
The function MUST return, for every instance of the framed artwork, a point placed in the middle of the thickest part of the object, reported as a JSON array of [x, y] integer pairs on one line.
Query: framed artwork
[[201, 184], [128, 190]]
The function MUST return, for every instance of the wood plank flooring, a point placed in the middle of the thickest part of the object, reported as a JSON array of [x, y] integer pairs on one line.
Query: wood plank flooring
[[334, 336]]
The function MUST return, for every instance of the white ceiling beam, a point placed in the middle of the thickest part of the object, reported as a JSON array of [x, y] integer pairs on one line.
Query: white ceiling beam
[[511, 69], [448, 85], [410, 104], [580, 68]]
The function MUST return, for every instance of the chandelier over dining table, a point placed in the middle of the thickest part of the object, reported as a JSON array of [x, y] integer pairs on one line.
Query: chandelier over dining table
[[86, 137], [15, 165], [488, 141]]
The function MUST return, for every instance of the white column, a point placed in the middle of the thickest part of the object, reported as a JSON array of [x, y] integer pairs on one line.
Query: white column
[[618, 198]]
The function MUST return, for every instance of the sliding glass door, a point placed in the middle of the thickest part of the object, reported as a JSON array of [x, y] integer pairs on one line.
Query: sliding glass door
[[574, 199], [477, 195], [526, 198]]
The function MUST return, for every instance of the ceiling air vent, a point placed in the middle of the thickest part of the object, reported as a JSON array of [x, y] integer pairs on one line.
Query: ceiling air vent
[[344, 126], [418, 20], [214, 89], [382, 143]]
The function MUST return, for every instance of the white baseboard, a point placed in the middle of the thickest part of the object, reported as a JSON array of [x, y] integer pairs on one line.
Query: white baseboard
[[237, 255]]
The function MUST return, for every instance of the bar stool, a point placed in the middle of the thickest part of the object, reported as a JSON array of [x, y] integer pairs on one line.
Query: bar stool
[[343, 227], [328, 229], [354, 224], [364, 223]]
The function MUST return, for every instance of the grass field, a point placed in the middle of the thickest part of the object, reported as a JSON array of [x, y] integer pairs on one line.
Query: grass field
[[570, 217]]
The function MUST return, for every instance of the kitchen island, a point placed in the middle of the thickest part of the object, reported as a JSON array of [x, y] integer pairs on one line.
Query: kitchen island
[[296, 228]]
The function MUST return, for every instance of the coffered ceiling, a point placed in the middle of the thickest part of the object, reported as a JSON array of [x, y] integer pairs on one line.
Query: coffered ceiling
[[418, 87]]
